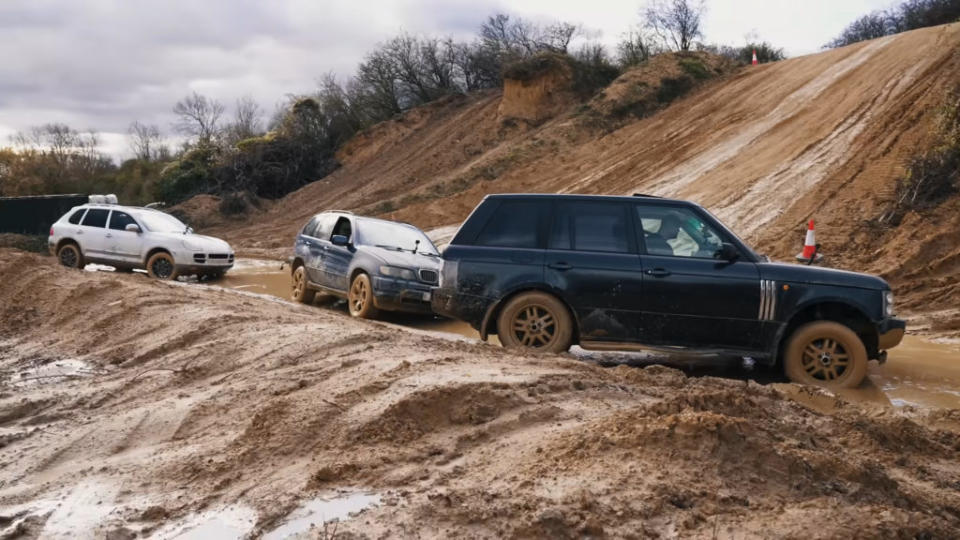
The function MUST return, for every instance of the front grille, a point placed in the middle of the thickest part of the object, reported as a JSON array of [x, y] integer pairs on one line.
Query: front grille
[[428, 276], [219, 256], [199, 257]]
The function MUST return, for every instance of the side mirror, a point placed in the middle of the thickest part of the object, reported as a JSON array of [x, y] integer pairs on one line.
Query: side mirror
[[727, 252], [132, 227], [340, 240]]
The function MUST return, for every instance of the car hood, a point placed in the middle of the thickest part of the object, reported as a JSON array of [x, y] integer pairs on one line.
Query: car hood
[[199, 242], [404, 258], [820, 276]]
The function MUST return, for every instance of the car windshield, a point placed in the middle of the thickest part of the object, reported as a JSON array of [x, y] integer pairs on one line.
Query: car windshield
[[396, 236], [160, 222]]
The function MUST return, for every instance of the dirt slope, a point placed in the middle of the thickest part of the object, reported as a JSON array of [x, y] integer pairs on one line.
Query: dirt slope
[[253, 404], [821, 136]]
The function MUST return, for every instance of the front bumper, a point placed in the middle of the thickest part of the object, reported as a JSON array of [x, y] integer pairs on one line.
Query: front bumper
[[890, 333], [401, 295], [210, 266]]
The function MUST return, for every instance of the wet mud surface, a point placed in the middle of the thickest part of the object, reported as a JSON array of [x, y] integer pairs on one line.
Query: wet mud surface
[[918, 373]]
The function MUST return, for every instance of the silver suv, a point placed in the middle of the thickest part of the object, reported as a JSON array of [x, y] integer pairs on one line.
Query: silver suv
[[130, 237]]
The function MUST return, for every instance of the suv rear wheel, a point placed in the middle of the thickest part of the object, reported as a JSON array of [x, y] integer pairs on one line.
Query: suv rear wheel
[[161, 266], [537, 321], [299, 290], [69, 255], [825, 353]]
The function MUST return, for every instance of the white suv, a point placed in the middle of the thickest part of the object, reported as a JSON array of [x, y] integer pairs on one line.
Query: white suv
[[129, 237]]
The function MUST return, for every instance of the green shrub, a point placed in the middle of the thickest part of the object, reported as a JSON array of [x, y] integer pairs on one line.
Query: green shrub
[[695, 68], [234, 203], [672, 88]]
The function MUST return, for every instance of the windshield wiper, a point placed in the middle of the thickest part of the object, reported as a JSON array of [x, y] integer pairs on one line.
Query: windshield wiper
[[392, 248]]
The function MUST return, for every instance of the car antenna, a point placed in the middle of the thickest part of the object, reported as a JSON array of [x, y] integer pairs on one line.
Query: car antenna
[[416, 245]]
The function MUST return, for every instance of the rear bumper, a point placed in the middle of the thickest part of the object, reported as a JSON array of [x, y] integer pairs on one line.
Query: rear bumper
[[890, 333], [464, 307]]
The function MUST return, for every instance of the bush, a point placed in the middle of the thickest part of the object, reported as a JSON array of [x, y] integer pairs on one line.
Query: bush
[[234, 203], [934, 175], [672, 88], [192, 174], [909, 15], [695, 68]]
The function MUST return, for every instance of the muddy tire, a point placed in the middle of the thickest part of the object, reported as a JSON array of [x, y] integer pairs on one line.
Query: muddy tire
[[360, 298], [536, 321], [825, 353], [161, 266], [299, 291], [213, 276], [69, 255]]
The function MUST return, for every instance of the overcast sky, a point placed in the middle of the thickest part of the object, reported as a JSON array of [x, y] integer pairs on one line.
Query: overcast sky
[[101, 64]]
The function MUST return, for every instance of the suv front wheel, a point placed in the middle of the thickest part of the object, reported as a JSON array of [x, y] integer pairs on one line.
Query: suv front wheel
[[161, 266], [825, 353], [537, 321]]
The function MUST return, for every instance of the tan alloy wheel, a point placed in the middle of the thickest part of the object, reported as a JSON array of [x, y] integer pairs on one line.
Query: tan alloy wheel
[[69, 256], [300, 291], [825, 353], [161, 266], [360, 298], [535, 321]]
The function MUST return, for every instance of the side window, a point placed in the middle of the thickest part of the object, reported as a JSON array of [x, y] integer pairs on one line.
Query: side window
[[120, 220], [325, 226], [342, 227], [591, 226], [513, 224], [76, 216], [677, 232], [96, 218], [310, 228]]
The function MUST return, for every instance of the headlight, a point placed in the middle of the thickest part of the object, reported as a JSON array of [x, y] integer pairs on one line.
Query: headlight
[[888, 303], [397, 272]]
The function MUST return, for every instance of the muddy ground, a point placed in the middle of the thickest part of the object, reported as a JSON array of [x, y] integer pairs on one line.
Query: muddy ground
[[134, 407]]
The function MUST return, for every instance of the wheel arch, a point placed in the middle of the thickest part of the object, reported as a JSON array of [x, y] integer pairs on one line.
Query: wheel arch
[[154, 251], [64, 241], [489, 324], [836, 310]]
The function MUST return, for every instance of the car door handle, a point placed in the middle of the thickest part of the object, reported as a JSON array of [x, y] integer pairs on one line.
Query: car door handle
[[109, 235], [562, 266], [657, 272]]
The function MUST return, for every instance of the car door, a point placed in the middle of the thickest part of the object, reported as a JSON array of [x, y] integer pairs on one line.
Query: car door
[[691, 298], [310, 245], [92, 233], [592, 263], [336, 259], [120, 243]]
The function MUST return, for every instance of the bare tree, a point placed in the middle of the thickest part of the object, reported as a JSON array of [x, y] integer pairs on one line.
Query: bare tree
[[635, 48], [199, 116], [676, 22], [145, 141], [247, 121]]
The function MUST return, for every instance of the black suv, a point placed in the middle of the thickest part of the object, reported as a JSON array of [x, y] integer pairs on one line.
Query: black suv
[[614, 273]]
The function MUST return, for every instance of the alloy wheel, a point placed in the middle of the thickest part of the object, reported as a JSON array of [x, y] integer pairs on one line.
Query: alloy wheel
[[825, 359], [534, 326], [68, 257]]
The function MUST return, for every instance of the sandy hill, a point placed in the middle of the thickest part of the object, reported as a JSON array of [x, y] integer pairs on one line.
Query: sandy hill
[[823, 136]]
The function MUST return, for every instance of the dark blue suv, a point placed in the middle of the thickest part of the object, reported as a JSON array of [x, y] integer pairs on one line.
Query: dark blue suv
[[373, 263], [614, 273]]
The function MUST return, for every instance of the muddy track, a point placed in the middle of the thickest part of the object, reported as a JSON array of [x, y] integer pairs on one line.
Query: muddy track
[[196, 399]]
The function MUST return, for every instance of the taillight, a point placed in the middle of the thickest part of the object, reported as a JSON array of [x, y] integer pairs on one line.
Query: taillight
[[51, 231]]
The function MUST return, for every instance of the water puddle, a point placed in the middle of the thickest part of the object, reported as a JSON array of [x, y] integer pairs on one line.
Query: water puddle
[[51, 372], [227, 523], [320, 512]]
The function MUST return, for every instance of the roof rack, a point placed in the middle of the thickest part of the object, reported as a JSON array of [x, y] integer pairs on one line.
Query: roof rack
[[340, 211], [648, 196]]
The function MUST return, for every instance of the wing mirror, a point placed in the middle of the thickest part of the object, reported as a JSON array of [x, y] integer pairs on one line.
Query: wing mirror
[[132, 227], [340, 240], [727, 252]]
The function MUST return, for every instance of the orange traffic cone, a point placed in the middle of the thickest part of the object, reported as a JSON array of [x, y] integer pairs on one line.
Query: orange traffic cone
[[755, 62], [810, 247]]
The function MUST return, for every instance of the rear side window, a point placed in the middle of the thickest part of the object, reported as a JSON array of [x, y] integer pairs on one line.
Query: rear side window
[[311, 227], [76, 216], [120, 220], [96, 218], [591, 226], [513, 224]]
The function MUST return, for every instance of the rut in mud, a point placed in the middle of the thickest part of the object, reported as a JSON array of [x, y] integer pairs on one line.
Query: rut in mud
[[199, 401]]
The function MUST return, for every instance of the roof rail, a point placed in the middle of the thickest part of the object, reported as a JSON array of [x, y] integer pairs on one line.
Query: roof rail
[[340, 211], [648, 196]]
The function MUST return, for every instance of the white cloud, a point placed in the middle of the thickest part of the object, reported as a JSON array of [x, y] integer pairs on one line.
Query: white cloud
[[104, 63]]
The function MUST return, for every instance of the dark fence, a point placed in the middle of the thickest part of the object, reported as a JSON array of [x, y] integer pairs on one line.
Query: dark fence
[[34, 215]]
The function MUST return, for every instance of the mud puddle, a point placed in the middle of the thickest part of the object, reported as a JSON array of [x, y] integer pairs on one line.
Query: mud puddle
[[318, 514], [918, 373]]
